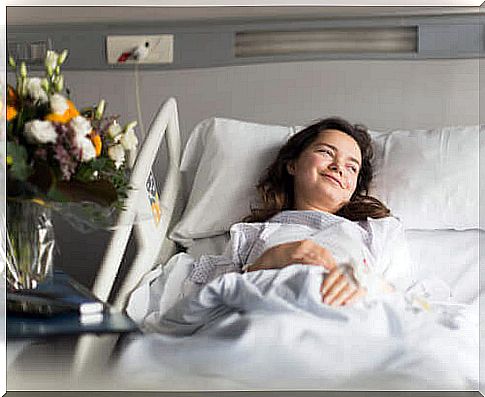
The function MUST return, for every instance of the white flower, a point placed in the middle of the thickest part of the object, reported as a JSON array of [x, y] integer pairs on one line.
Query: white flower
[[114, 131], [129, 140], [35, 90], [81, 126], [38, 131], [117, 154], [88, 152], [58, 104], [51, 59]]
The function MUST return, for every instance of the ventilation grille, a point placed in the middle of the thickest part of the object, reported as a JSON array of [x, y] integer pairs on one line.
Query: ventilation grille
[[327, 41]]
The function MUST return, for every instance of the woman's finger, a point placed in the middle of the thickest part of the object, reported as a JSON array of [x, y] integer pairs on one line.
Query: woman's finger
[[335, 289], [311, 253], [356, 296], [325, 258], [351, 296], [343, 295], [329, 280]]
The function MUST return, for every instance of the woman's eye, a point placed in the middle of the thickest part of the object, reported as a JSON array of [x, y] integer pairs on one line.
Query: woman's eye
[[353, 168], [326, 151]]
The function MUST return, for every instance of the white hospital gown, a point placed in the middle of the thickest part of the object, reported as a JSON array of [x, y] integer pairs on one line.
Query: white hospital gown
[[376, 247]]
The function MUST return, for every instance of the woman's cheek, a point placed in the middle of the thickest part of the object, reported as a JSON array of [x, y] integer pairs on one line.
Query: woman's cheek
[[349, 184]]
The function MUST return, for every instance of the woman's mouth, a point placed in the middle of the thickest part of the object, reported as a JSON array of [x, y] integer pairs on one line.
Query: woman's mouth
[[333, 179]]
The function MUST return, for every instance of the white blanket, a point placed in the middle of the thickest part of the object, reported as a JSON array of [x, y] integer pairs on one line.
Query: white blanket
[[270, 330]]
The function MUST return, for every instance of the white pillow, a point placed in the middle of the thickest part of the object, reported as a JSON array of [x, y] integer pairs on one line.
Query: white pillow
[[231, 156], [429, 179]]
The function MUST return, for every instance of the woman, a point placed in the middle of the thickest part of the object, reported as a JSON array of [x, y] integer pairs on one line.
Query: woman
[[319, 181]]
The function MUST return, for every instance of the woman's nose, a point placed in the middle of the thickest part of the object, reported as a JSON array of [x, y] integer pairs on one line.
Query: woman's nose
[[336, 167]]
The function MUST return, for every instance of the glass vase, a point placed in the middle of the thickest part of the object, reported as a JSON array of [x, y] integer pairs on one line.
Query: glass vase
[[30, 244]]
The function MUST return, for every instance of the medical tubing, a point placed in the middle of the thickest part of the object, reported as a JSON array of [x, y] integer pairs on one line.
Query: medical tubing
[[137, 99]]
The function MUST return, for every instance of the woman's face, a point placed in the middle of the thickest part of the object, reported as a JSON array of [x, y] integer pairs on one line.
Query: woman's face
[[325, 174]]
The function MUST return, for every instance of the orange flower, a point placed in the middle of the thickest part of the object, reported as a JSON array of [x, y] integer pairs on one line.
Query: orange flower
[[96, 140], [66, 117], [11, 96], [11, 113], [11, 103]]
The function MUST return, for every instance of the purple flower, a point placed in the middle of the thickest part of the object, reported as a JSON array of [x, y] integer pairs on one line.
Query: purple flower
[[66, 151], [66, 162]]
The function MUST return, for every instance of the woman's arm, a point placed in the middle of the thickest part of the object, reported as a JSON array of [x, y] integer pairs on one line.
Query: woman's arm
[[306, 252], [337, 287]]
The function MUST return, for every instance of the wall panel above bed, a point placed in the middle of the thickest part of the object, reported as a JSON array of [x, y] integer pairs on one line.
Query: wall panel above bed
[[199, 45]]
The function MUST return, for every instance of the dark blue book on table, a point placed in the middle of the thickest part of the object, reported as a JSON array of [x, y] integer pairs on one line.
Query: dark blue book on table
[[61, 306]]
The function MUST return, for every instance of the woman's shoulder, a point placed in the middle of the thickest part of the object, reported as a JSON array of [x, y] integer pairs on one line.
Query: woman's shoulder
[[245, 227], [317, 219], [289, 218]]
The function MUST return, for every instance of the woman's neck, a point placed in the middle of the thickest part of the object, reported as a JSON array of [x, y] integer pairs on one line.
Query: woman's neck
[[305, 206]]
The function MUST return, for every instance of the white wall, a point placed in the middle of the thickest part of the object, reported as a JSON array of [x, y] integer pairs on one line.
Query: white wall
[[380, 94]]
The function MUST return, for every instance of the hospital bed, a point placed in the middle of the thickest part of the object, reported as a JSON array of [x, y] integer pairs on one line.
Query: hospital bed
[[219, 168], [436, 202]]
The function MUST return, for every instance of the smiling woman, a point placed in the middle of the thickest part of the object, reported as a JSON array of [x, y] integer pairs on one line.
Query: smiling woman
[[315, 210]]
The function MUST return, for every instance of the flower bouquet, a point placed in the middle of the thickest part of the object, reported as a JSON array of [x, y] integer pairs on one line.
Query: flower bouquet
[[58, 158]]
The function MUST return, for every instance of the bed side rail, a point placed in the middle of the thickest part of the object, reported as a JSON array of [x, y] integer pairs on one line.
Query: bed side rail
[[149, 233]]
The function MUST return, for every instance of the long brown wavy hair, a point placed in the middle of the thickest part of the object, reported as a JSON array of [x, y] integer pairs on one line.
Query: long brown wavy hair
[[276, 186]]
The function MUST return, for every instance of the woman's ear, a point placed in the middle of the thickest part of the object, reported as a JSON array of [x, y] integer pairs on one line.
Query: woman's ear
[[290, 167]]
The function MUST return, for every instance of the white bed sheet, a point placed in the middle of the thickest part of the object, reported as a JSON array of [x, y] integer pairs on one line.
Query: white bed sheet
[[276, 340], [288, 350], [450, 256]]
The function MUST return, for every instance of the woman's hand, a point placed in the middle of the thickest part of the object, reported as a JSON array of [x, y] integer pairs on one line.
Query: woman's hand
[[338, 289], [307, 252]]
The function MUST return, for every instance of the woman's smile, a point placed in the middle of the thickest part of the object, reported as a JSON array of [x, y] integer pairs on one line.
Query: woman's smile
[[333, 179]]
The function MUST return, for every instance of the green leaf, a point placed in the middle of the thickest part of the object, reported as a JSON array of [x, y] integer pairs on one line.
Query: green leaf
[[19, 169], [99, 164], [84, 174], [56, 195]]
